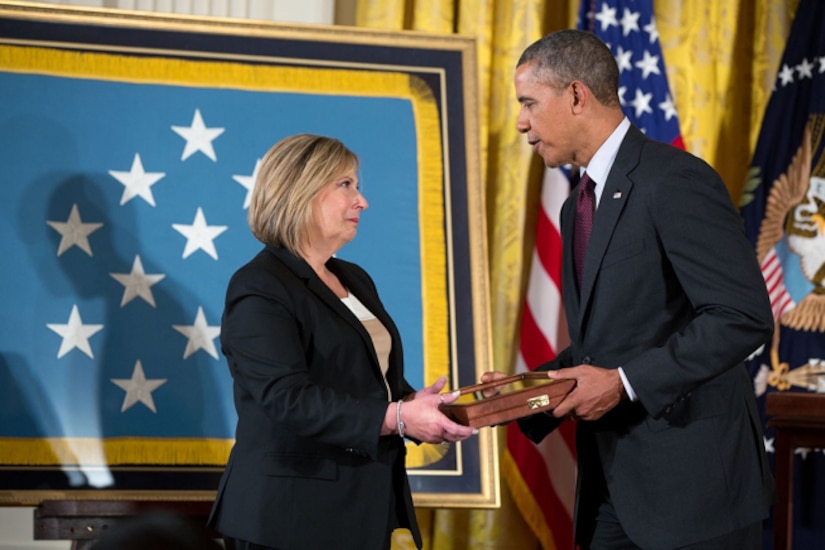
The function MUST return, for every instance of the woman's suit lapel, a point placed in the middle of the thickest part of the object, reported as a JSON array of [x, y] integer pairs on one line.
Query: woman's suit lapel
[[368, 297], [303, 271], [366, 294]]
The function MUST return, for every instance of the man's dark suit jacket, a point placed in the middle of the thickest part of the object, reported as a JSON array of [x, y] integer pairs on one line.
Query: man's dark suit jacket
[[672, 293], [309, 469]]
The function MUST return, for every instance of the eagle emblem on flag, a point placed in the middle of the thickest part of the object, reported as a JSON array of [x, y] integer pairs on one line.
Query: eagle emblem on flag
[[795, 214]]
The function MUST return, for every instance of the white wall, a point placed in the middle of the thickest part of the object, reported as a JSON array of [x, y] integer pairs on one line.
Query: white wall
[[17, 524], [305, 11], [17, 531]]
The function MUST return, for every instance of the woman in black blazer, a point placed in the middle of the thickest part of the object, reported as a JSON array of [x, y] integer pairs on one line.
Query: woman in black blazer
[[317, 365]]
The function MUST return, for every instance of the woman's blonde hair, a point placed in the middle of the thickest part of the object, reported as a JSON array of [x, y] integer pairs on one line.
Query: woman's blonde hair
[[292, 173]]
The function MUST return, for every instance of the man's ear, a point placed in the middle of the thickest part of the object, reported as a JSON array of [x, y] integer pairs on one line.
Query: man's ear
[[580, 95]]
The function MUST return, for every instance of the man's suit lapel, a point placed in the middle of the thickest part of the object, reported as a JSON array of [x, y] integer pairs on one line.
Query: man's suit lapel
[[614, 197]]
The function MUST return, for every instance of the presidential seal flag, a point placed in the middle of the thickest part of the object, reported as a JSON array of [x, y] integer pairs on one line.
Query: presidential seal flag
[[542, 478], [783, 207]]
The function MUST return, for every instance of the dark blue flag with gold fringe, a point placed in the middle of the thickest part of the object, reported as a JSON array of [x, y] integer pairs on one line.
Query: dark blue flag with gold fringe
[[783, 207]]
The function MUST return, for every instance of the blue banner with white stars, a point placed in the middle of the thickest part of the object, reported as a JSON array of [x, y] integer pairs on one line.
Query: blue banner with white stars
[[123, 217]]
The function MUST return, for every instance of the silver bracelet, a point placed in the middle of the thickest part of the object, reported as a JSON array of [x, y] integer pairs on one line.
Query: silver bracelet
[[398, 420]]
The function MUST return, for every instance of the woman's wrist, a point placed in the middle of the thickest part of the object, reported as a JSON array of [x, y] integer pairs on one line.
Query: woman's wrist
[[390, 426], [399, 422]]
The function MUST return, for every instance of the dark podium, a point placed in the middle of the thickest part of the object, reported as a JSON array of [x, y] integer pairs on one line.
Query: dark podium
[[83, 521], [799, 421]]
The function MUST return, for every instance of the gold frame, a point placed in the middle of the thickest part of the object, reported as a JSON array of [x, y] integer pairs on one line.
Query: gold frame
[[472, 478]]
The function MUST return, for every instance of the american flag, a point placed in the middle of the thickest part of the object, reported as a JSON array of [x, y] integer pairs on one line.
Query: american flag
[[124, 207], [543, 480], [783, 207], [628, 27]]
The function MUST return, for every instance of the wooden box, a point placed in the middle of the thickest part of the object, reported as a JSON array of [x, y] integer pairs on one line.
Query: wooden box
[[513, 402]]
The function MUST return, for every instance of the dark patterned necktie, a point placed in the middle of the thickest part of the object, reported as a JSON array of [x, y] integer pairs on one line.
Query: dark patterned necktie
[[585, 206]]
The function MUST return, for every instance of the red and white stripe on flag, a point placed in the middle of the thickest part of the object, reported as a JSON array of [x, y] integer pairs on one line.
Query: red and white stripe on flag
[[781, 300], [542, 477]]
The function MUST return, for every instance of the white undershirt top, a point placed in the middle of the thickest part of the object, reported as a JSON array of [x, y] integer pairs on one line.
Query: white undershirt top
[[379, 334], [602, 161]]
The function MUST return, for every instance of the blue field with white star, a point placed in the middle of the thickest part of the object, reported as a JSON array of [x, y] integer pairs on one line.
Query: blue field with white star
[[124, 217]]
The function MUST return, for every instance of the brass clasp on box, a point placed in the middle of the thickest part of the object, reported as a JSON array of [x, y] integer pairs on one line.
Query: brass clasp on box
[[538, 401]]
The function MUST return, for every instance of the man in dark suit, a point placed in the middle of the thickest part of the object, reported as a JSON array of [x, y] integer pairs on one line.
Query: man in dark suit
[[670, 302]]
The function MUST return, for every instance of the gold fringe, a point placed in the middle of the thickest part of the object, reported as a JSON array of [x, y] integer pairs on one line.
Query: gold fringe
[[89, 451], [431, 194], [167, 451], [425, 454], [433, 259], [213, 74]]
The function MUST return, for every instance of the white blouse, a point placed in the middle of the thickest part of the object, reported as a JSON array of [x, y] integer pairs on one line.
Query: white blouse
[[378, 332]]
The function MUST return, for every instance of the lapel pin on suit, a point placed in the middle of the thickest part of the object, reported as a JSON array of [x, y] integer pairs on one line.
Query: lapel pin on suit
[[617, 195]]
